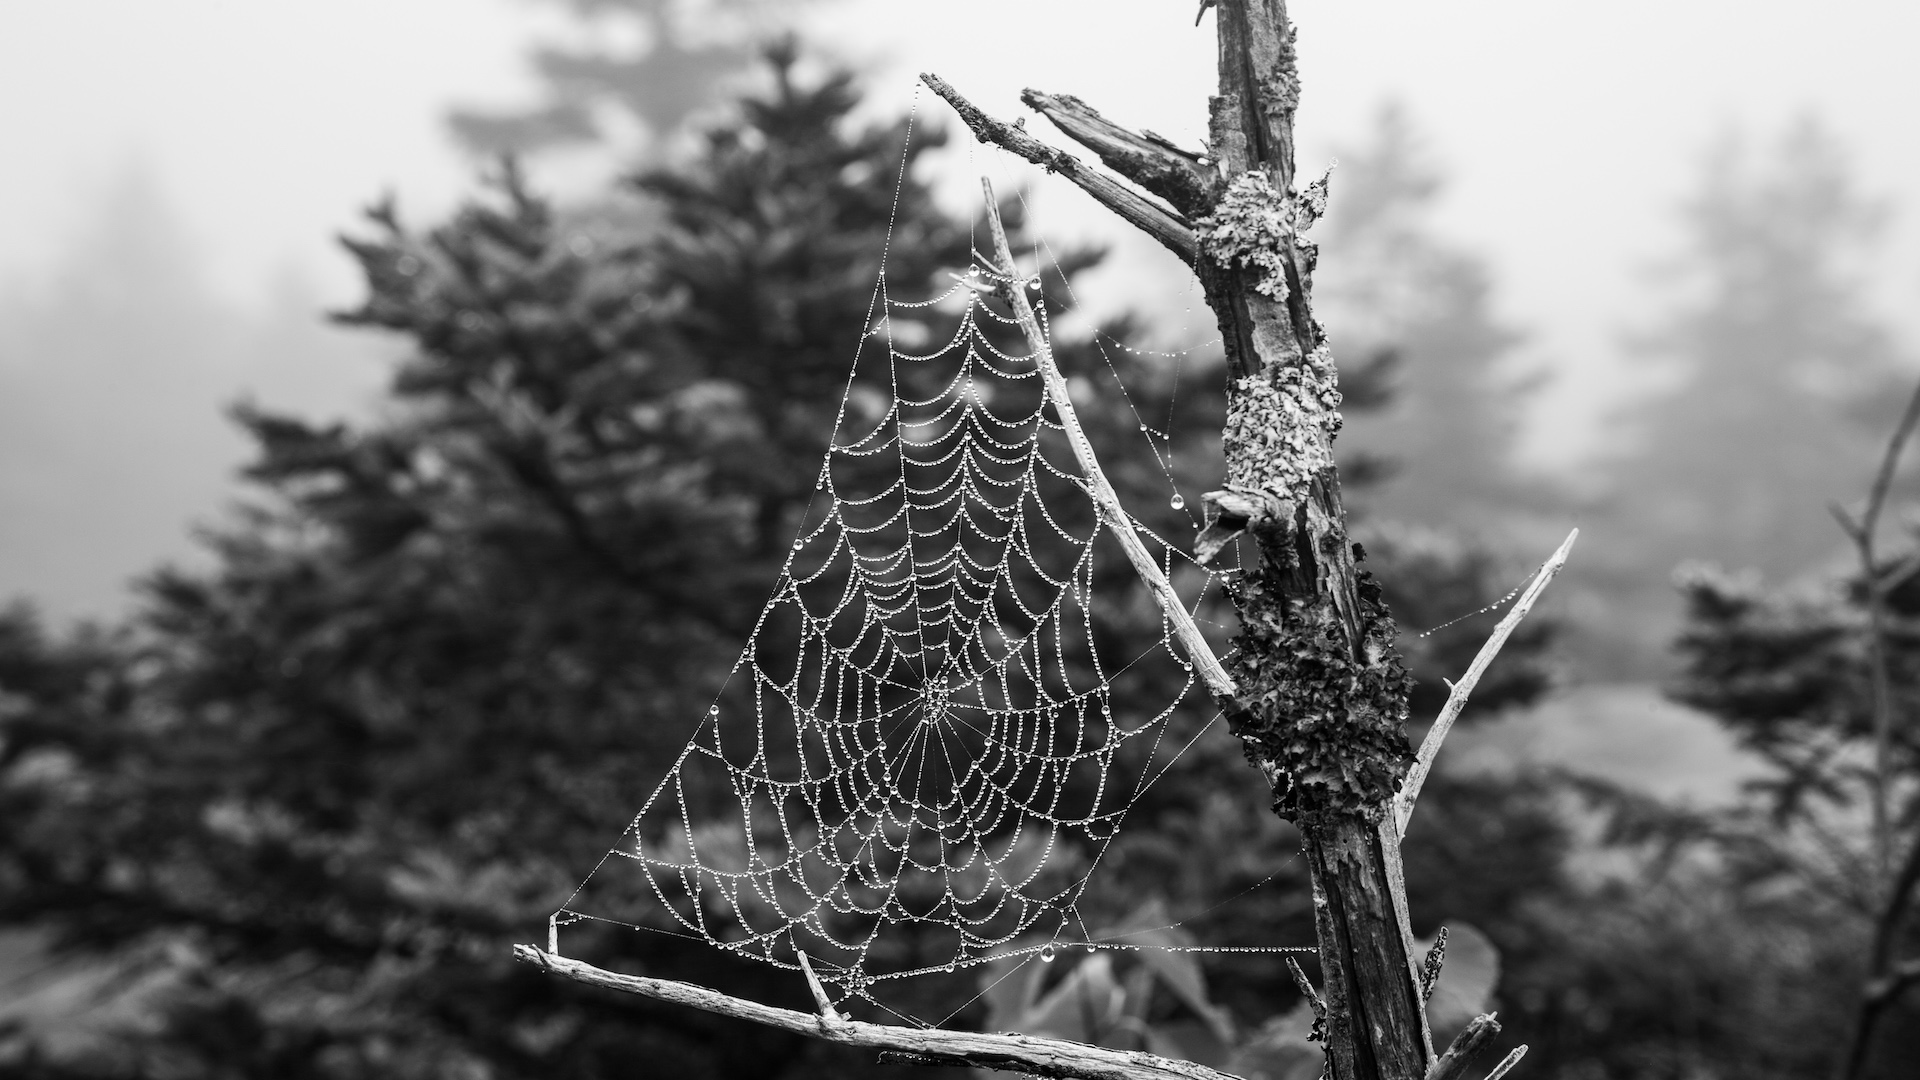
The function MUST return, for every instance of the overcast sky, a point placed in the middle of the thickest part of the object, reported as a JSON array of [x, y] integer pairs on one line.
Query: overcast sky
[[1568, 131]]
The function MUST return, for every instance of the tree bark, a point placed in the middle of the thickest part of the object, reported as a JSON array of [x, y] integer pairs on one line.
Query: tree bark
[[1320, 700], [1323, 693]]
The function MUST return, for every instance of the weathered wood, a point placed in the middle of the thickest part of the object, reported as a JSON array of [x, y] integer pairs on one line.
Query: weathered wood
[[1160, 222], [1472, 1041], [1119, 523], [1155, 164], [932, 1046], [1458, 692], [1324, 690]]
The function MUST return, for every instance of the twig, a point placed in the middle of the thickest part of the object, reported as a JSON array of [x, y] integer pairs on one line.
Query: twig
[[1022, 1053], [1157, 221], [1507, 1063], [1472, 1040], [1307, 991], [1457, 699], [1880, 964], [1119, 523], [1863, 542], [828, 1014]]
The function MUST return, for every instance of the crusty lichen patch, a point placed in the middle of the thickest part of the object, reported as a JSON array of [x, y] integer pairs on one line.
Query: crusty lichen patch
[[1331, 721], [1252, 226], [1256, 226], [1280, 426]]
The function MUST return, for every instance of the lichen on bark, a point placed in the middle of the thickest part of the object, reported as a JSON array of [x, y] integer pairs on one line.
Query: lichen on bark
[[1256, 226], [1281, 424], [1329, 719]]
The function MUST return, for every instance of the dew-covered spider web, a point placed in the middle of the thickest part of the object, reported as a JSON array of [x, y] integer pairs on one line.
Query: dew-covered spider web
[[952, 697]]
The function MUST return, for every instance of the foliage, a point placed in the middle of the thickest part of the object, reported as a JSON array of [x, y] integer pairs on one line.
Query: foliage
[[1415, 311], [1776, 383], [657, 62], [306, 800], [386, 734]]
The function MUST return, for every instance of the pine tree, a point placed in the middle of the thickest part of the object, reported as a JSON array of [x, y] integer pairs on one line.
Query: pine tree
[[1393, 290], [1780, 381], [441, 653]]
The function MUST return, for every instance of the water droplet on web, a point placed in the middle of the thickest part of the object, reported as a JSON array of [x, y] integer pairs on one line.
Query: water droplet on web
[[713, 710], [798, 544], [1033, 282], [1046, 954], [1091, 947], [1178, 502]]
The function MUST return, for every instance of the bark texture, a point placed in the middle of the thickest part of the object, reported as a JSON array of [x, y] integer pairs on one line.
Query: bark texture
[[1322, 692]]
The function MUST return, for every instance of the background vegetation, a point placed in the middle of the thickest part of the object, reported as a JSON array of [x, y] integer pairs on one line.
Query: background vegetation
[[285, 820]]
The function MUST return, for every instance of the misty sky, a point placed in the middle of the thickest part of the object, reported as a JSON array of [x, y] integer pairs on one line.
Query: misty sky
[[259, 127]]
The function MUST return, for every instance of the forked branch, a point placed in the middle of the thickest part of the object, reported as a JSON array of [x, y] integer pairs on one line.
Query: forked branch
[[1142, 157], [1219, 684], [1457, 699], [925, 1046], [1155, 220]]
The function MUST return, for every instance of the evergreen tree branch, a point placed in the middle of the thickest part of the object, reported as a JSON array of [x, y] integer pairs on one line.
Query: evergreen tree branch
[[1457, 699], [1163, 224], [1885, 979], [923, 1046]]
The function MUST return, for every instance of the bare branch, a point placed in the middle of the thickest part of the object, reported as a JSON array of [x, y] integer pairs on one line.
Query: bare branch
[[1314, 1000], [1118, 521], [1155, 220], [1022, 1053], [827, 1012], [1883, 480], [1469, 1044], [1457, 700], [1507, 1063], [1154, 163], [1861, 532]]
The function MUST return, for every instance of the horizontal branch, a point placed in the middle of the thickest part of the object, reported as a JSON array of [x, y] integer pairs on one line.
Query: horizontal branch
[[1457, 699], [929, 1046], [1157, 221], [1152, 162]]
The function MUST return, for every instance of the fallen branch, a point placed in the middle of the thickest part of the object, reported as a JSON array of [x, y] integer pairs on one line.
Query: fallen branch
[[1457, 698], [1149, 217], [924, 1046]]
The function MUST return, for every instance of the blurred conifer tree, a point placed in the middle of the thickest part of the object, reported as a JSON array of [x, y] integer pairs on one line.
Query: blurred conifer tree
[[1778, 384], [302, 807]]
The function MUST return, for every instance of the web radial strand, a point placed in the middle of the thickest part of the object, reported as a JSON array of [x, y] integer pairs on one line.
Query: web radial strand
[[925, 745]]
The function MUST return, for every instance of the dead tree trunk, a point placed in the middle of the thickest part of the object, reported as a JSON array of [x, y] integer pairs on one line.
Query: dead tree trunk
[[1320, 695], [1313, 688]]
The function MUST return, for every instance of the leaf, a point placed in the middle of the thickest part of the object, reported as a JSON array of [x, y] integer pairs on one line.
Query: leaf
[[1085, 1007], [1280, 1050]]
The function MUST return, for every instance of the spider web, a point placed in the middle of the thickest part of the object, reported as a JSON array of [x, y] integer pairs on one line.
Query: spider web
[[929, 740]]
